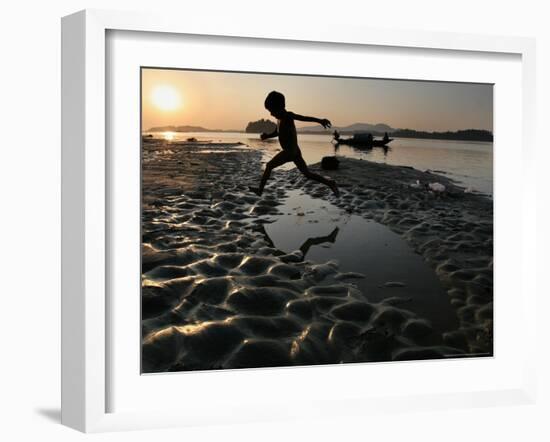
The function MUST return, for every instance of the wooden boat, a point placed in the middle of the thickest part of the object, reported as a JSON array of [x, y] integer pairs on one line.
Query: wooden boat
[[364, 140]]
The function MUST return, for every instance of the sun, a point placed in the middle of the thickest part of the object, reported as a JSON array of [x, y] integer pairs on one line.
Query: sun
[[165, 98]]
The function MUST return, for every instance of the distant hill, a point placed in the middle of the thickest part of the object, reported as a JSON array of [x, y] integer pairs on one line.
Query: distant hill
[[375, 129], [463, 135], [379, 130], [260, 126]]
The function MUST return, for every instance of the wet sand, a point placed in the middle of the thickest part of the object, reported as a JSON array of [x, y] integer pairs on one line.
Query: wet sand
[[217, 293]]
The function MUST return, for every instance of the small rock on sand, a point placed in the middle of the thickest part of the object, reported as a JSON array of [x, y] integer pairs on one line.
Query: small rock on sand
[[349, 275], [394, 284]]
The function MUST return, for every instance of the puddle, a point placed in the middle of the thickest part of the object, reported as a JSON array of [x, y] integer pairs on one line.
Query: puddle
[[324, 232]]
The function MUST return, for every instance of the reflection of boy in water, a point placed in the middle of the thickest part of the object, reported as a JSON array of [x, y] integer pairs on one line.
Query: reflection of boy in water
[[304, 248], [286, 131]]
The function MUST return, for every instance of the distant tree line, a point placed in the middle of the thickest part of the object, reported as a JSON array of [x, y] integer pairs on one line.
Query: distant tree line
[[463, 135], [260, 126]]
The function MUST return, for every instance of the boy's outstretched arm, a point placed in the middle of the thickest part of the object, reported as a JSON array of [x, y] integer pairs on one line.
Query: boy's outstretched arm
[[265, 136], [322, 121]]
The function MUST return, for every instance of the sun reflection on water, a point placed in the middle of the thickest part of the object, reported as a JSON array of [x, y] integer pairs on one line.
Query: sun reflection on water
[[169, 136]]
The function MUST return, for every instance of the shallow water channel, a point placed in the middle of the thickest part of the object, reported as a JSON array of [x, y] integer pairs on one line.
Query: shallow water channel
[[325, 232]]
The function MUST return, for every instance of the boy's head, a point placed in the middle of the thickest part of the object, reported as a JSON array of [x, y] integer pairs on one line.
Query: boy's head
[[275, 103]]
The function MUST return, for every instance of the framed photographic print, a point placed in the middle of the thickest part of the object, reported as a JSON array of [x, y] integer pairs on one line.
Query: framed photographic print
[[351, 255], [270, 223]]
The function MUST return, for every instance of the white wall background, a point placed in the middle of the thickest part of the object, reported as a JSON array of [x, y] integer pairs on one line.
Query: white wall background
[[30, 221]]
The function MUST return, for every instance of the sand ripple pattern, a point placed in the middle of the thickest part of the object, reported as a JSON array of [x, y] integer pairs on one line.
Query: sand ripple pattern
[[216, 294]]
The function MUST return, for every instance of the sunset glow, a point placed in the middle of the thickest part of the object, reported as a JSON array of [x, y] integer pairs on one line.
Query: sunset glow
[[229, 100]]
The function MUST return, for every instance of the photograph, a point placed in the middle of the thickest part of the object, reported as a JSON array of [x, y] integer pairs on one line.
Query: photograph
[[302, 220]]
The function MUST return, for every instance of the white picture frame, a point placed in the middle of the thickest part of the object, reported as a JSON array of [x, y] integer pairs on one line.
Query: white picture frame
[[85, 197]]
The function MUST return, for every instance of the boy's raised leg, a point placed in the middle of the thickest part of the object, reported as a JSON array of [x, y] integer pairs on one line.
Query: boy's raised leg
[[302, 167], [278, 160]]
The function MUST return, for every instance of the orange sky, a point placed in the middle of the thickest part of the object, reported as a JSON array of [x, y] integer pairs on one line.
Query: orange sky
[[219, 100]]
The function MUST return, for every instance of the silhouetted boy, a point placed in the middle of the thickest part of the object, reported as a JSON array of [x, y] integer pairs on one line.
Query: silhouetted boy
[[286, 131]]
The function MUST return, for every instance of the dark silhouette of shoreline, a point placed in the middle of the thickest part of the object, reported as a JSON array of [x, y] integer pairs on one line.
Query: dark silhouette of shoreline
[[267, 126], [463, 135], [260, 126]]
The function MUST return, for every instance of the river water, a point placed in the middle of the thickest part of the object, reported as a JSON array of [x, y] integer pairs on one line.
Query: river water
[[469, 163]]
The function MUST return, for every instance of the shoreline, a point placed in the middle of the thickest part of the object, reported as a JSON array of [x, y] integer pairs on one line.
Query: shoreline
[[313, 132], [468, 163], [216, 294]]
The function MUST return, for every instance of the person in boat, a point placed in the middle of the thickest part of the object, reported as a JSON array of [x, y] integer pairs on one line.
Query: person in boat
[[336, 135], [286, 131], [386, 137]]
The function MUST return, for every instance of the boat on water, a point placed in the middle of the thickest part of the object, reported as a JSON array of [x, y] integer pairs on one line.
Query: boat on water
[[364, 140]]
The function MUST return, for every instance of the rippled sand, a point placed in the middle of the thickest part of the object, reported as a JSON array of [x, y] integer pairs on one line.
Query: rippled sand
[[217, 294]]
